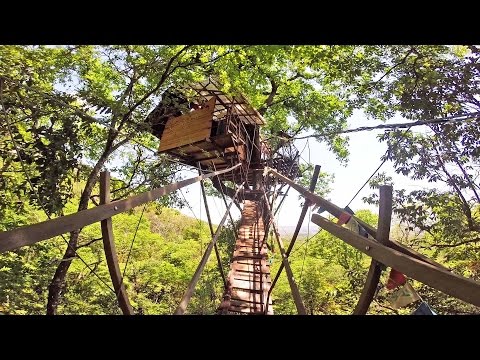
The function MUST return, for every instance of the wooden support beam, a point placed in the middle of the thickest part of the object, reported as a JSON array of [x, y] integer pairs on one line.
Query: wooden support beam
[[198, 272], [110, 251], [217, 253], [383, 234], [281, 201], [452, 284], [313, 183], [31, 234], [229, 213], [291, 280], [336, 211]]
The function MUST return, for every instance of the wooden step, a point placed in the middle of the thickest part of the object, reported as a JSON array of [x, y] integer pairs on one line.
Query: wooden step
[[251, 268], [249, 283], [249, 296], [249, 277], [243, 253]]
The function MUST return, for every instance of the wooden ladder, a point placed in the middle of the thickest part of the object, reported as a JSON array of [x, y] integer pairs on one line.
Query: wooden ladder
[[249, 277]]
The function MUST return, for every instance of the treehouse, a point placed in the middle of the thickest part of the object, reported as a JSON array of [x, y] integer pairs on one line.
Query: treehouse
[[214, 130]]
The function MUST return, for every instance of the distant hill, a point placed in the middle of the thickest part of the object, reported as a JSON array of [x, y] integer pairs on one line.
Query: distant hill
[[289, 229]]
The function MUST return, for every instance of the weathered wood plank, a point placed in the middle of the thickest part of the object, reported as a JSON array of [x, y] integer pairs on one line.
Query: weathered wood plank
[[198, 272], [443, 280], [31, 234], [249, 277], [246, 295], [188, 128], [250, 284], [257, 268], [291, 280], [110, 251], [336, 211], [375, 270]]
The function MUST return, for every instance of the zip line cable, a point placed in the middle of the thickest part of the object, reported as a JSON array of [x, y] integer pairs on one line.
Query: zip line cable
[[373, 174], [445, 120], [366, 182]]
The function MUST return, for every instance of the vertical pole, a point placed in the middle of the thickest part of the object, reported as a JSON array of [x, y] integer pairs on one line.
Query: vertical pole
[[110, 251], [182, 307], [230, 215], [313, 183], [375, 270], [281, 201], [217, 253], [291, 280]]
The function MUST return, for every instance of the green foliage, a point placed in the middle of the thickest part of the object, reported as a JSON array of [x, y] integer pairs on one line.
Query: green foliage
[[165, 254], [324, 179], [70, 111]]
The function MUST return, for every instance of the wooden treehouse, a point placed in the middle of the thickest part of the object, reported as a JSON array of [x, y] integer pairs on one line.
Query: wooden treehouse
[[221, 133], [215, 131]]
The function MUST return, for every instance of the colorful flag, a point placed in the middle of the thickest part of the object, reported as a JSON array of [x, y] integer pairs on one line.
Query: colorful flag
[[395, 279], [403, 296], [343, 218]]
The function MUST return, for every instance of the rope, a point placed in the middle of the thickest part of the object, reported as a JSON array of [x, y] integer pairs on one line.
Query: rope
[[366, 182], [131, 244], [190, 207], [308, 224], [306, 247]]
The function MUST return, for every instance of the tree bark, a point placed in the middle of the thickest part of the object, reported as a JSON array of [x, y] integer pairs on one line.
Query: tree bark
[[57, 285]]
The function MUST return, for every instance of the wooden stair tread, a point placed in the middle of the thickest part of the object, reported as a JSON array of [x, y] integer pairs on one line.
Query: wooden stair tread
[[249, 277]]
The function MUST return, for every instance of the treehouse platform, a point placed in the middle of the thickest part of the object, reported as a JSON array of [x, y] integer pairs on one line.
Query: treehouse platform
[[213, 131]]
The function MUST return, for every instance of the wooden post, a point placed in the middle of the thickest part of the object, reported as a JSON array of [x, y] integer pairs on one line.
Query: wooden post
[[110, 251], [336, 211], [198, 272], [313, 183], [375, 270], [291, 280], [217, 253], [452, 284]]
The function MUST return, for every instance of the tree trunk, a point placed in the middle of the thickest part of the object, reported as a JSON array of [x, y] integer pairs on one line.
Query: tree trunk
[[57, 285]]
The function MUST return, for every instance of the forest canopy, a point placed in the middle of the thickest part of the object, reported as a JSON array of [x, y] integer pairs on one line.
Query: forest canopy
[[70, 112]]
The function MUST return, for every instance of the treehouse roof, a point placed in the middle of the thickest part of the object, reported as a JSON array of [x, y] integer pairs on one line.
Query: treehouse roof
[[205, 90]]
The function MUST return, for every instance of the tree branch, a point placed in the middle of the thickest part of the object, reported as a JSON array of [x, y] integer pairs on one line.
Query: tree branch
[[134, 172], [164, 77], [404, 59], [455, 245], [466, 207], [88, 243], [272, 94]]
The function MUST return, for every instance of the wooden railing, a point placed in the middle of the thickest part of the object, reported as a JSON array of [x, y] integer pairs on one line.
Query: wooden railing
[[31, 234], [388, 252]]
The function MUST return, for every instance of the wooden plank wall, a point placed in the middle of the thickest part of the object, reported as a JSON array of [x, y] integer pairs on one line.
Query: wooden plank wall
[[188, 128]]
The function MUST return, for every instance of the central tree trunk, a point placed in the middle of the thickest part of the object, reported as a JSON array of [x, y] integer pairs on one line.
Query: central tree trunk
[[57, 285]]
